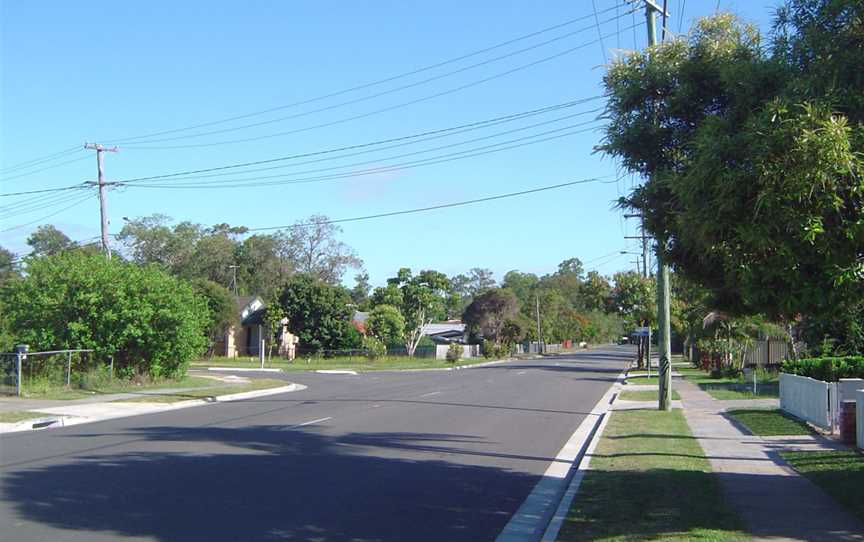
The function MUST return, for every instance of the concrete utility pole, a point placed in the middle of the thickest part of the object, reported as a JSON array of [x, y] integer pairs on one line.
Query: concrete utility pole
[[663, 291], [103, 196]]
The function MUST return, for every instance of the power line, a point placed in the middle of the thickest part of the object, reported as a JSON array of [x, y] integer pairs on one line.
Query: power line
[[376, 95], [462, 127], [451, 157], [76, 203], [599, 33], [364, 85], [378, 160], [19, 175], [44, 190], [436, 207], [381, 110], [34, 161]]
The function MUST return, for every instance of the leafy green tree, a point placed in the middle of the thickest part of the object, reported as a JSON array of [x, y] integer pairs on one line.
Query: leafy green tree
[[361, 289], [489, 312], [386, 323], [221, 310], [318, 313], [422, 301], [152, 323], [48, 240], [318, 252], [521, 284], [594, 292], [9, 267], [754, 157], [264, 264]]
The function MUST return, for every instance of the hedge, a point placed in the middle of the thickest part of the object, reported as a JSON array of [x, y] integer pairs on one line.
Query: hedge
[[826, 369]]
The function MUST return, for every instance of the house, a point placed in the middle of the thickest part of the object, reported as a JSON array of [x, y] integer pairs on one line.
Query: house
[[451, 331], [359, 321], [245, 338]]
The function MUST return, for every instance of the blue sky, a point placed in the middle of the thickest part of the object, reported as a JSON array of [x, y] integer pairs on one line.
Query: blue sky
[[71, 73]]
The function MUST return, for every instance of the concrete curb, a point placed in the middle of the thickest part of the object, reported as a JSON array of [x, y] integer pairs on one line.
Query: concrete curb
[[241, 369], [534, 518], [117, 410]]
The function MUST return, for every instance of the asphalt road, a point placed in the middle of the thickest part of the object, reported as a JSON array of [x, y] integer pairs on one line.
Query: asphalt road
[[379, 456]]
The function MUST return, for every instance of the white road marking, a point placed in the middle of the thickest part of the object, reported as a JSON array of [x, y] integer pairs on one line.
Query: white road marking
[[430, 394], [521, 372], [310, 422]]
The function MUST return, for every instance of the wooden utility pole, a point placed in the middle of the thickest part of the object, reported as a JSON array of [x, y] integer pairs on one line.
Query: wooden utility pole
[[103, 196], [663, 290], [539, 336]]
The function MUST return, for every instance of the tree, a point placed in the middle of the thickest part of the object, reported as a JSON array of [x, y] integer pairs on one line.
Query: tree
[[754, 157], [9, 267], [422, 300], [318, 313], [317, 251], [521, 284], [48, 240], [489, 312], [264, 264], [594, 292], [151, 323], [386, 323], [221, 310], [361, 289]]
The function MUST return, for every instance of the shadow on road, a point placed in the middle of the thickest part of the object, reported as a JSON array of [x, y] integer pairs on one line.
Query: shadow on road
[[268, 483]]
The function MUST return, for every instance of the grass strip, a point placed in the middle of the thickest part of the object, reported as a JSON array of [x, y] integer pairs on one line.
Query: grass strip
[[16, 416], [644, 395], [840, 473], [730, 388], [256, 384], [119, 386], [767, 422], [650, 480]]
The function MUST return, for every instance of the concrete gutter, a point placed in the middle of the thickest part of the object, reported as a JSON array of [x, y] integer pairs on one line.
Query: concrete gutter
[[96, 412]]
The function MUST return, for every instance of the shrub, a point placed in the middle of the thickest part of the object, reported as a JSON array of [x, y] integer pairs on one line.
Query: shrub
[[454, 353], [374, 348], [828, 369], [150, 322]]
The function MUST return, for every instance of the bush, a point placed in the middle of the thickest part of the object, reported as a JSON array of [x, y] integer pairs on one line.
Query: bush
[[454, 353], [150, 322], [828, 369], [375, 348]]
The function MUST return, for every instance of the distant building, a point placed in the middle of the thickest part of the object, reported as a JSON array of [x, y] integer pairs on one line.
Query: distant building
[[244, 339], [451, 331]]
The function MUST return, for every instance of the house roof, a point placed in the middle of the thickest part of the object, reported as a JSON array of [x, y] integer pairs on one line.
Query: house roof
[[360, 316], [442, 327], [252, 310]]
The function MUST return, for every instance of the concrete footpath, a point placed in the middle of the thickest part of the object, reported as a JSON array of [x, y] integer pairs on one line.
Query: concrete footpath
[[775, 502]]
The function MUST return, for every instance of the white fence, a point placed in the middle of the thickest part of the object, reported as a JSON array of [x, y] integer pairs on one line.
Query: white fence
[[807, 398], [468, 351], [859, 418]]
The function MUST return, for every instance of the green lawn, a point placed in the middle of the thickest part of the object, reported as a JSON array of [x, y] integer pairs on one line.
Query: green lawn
[[118, 386], [647, 395], [256, 384], [730, 388], [16, 416], [767, 422], [650, 480], [641, 380], [389, 363], [839, 473]]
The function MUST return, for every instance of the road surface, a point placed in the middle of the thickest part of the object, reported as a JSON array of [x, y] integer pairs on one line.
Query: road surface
[[438, 456]]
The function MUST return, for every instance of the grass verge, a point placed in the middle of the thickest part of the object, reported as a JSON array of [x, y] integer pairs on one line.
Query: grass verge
[[390, 363], [649, 480], [641, 380], [16, 416], [767, 422], [118, 386], [730, 388], [256, 384], [840, 473], [644, 395]]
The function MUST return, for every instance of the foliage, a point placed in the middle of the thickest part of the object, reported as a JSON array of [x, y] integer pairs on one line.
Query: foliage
[[753, 157], [48, 240], [318, 313], [420, 298], [274, 314], [9, 268], [826, 369], [360, 291], [454, 352], [317, 252], [492, 350], [386, 324], [375, 348], [221, 309], [489, 311], [151, 323]]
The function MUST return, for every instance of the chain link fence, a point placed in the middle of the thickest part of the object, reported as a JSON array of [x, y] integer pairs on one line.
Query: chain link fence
[[36, 373]]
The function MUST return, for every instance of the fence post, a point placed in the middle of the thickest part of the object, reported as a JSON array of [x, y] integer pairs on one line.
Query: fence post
[[20, 352], [111, 359], [68, 368]]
